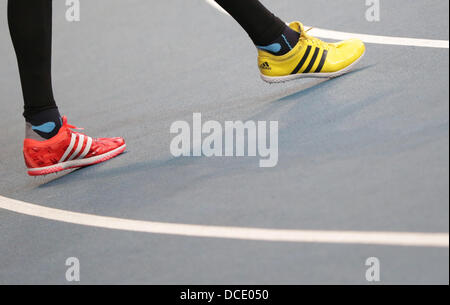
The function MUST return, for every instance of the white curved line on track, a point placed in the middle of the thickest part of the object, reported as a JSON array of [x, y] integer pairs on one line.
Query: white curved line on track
[[389, 40], [438, 240]]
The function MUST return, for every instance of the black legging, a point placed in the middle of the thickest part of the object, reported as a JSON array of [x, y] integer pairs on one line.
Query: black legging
[[261, 25], [30, 24]]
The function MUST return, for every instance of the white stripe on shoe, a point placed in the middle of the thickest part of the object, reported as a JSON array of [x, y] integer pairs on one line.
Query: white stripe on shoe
[[69, 149], [87, 148], [79, 147], [78, 162]]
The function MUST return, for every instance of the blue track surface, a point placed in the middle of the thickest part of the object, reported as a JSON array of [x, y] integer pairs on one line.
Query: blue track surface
[[367, 151]]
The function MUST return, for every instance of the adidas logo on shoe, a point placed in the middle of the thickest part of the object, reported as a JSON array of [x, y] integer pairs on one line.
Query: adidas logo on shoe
[[265, 66]]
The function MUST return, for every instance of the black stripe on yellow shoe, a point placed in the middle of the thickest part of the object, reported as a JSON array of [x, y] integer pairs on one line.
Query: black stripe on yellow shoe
[[302, 61], [313, 60], [322, 61]]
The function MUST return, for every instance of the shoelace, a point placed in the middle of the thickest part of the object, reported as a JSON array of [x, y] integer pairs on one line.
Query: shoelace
[[315, 40], [73, 127]]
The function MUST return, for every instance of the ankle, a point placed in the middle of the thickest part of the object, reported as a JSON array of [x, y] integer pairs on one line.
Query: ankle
[[282, 44], [43, 125]]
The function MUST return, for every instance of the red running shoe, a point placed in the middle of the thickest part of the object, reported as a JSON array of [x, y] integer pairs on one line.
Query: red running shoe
[[67, 150]]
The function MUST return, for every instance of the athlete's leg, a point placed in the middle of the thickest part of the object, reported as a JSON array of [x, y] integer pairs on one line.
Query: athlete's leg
[[30, 24], [50, 143], [264, 28]]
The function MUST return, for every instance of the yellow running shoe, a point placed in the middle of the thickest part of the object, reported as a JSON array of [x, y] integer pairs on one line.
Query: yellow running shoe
[[310, 57]]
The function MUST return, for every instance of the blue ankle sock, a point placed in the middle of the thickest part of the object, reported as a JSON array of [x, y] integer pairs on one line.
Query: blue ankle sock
[[43, 125], [283, 44]]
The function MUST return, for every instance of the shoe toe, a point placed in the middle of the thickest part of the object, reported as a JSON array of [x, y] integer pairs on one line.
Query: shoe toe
[[105, 145], [352, 48], [346, 53], [118, 141]]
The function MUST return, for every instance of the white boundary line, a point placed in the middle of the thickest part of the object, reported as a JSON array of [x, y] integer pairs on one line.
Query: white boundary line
[[438, 240], [397, 41], [216, 6], [388, 40]]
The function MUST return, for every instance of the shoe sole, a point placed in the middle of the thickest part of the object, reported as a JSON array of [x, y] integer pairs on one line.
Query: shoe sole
[[283, 79], [76, 163]]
